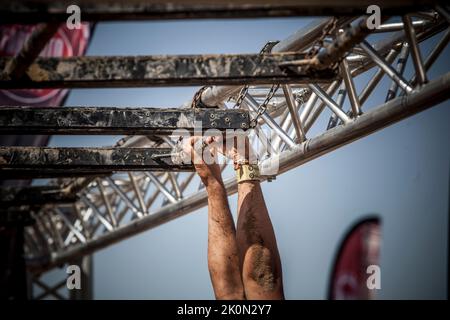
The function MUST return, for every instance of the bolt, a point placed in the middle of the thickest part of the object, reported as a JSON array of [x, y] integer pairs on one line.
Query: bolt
[[213, 124], [244, 125], [227, 120], [212, 116]]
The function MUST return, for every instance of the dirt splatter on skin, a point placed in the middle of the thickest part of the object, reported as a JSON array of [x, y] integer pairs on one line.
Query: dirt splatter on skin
[[251, 229], [263, 272]]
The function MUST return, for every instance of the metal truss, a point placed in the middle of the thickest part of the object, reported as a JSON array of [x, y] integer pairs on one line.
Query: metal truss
[[77, 216]]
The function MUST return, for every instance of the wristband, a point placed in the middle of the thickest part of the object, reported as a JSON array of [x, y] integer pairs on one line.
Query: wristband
[[247, 172]]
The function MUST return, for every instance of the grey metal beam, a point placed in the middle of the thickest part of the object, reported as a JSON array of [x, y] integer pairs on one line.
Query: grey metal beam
[[141, 71], [100, 10], [105, 120], [431, 94], [47, 162]]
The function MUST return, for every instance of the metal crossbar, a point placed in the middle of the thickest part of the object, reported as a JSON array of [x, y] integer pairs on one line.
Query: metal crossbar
[[109, 120]]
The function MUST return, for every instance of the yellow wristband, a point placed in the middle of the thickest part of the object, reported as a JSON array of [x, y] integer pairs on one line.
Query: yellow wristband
[[247, 172]]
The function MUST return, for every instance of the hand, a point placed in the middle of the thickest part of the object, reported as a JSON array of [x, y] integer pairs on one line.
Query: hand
[[238, 149], [204, 157]]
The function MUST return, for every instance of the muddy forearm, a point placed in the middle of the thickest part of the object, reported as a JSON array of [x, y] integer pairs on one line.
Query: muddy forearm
[[223, 259], [261, 266]]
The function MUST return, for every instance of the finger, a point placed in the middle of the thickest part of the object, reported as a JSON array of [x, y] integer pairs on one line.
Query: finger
[[209, 140]]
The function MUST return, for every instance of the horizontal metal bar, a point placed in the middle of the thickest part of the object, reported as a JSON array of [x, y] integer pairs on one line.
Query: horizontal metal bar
[[429, 95], [112, 10], [35, 195], [43, 161], [140, 71], [104, 120]]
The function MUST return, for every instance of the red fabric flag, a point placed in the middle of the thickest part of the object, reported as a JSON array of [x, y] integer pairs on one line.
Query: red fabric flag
[[359, 250], [65, 43]]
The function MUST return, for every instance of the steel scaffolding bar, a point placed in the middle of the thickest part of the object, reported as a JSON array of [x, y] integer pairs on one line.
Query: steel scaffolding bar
[[105, 120], [43, 161], [140, 71], [112, 10]]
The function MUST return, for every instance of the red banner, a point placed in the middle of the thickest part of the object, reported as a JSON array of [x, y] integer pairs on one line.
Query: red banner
[[65, 43], [359, 250]]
